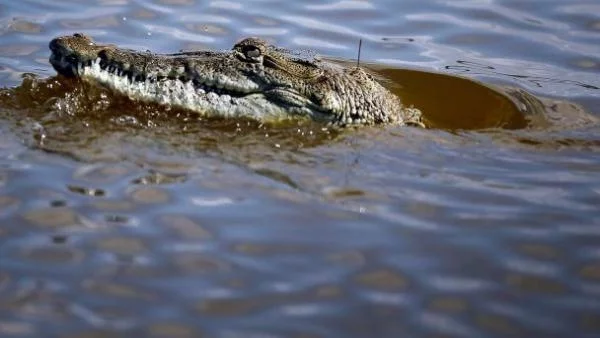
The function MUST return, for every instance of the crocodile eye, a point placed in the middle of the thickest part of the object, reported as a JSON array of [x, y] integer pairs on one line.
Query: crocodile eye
[[251, 54], [251, 50]]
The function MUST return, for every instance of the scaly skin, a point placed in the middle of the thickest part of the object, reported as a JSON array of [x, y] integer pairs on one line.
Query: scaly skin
[[253, 80]]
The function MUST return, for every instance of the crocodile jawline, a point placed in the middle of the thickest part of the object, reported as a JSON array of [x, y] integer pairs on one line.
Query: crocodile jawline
[[254, 80]]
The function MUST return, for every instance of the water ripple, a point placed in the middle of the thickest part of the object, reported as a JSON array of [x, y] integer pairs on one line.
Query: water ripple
[[130, 221]]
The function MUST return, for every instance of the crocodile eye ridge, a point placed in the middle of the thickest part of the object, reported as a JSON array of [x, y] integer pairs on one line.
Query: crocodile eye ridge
[[250, 50]]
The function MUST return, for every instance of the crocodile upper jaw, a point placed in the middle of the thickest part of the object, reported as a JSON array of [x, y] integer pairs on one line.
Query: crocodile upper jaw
[[170, 80]]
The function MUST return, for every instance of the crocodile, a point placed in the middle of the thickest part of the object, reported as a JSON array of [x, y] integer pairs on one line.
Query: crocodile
[[254, 80]]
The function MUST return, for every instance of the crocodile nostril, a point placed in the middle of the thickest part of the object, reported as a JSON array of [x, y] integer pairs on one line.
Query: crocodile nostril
[[103, 54]]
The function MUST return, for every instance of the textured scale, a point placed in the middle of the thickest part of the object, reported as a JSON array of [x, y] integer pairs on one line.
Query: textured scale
[[254, 80]]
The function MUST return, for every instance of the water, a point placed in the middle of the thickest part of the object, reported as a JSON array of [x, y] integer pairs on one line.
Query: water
[[127, 219]]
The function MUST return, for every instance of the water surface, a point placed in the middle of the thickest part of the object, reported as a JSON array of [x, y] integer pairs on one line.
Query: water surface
[[121, 219]]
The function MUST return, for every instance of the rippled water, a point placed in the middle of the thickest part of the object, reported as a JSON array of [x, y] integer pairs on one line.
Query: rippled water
[[127, 219]]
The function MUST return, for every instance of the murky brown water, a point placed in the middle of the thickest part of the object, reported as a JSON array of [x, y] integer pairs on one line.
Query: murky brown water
[[120, 219]]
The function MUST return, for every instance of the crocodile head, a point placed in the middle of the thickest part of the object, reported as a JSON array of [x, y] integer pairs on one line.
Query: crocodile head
[[254, 80]]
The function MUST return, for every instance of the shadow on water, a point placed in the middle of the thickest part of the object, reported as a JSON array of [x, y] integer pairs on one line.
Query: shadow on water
[[457, 103], [89, 123], [452, 102]]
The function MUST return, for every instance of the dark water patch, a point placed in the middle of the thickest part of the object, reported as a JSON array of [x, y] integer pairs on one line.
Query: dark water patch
[[86, 191], [452, 102], [457, 103], [52, 218], [153, 178]]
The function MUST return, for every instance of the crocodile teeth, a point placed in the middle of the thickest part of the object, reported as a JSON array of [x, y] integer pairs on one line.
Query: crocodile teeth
[[179, 70], [212, 94], [186, 94]]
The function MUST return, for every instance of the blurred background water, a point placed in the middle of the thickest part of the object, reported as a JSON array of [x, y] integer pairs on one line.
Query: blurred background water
[[121, 219]]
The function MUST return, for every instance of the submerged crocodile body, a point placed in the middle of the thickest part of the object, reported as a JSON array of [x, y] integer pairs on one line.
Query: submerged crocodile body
[[253, 80]]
